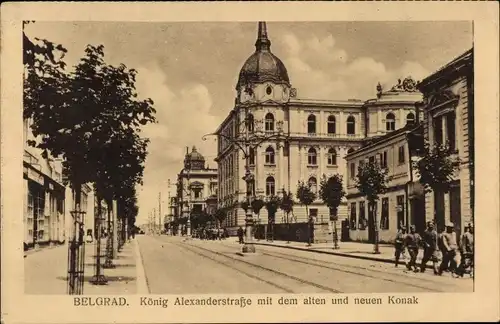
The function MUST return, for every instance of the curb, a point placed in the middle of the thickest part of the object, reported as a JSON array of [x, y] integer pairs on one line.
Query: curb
[[363, 257], [142, 282]]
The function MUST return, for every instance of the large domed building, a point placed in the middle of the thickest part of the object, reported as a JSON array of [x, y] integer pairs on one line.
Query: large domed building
[[316, 135]]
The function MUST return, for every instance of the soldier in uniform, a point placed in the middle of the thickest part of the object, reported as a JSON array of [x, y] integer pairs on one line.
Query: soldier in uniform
[[467, 250], [450, 247], [412, 242], [399, 244], [430, 241]]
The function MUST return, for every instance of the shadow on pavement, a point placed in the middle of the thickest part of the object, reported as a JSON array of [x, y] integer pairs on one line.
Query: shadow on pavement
[[110, 278]]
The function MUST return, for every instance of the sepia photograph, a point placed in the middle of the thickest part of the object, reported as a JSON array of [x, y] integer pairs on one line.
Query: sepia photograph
[[184, 163], [311, 157]]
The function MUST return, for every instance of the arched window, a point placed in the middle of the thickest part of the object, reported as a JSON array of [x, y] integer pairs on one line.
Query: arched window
[[312, 156], [250, 123], [313, 183], [331, 125], [410, 119], [270, 186], [332, 157], [251, 156], [390, 122], [269, 120], [351, 125], [311, 124], [269, 155]]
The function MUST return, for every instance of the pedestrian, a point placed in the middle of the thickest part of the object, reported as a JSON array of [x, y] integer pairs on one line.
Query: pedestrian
[[450, 247], [412, 242], [430, 242], [89, 238], [399, 245], [240, 235], [467, 251]]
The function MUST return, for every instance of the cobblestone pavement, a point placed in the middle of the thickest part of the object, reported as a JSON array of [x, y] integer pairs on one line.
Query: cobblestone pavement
[[173, 265]]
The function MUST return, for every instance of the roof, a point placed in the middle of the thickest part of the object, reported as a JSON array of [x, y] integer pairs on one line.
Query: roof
[[466, 60], [262, 65]]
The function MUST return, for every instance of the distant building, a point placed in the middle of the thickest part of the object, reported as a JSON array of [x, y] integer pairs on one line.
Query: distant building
[[448, 109], [318, 134], [195, 183]]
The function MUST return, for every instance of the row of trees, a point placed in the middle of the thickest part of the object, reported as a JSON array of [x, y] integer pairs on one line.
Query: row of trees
[[90, 118]]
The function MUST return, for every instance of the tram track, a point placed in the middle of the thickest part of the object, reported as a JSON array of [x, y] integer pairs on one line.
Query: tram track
[[196, 250]]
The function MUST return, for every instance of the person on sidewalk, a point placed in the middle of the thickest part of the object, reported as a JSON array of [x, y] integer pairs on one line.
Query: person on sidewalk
[[430, 242], [240, 235], [450, 247], [467, 251], [399, 248], [412, 242]]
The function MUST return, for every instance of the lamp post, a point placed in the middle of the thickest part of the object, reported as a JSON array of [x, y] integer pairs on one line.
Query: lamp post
[[248, 138]]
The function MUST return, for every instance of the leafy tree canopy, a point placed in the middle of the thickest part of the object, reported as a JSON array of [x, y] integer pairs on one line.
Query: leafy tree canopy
[[257, 205], [286, 202], [332, 191], [437, 167], [371, 180], [305, 194]]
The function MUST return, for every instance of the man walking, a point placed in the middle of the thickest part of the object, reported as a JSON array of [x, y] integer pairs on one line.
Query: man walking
[[412, 241], [430, 240], [240, 235], [399, 244], [450, 246]]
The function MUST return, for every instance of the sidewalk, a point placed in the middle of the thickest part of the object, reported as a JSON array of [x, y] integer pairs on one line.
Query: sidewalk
[[46, 271], [346, 249]]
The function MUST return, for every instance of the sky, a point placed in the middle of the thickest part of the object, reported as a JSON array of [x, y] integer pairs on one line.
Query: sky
[[190, 71]]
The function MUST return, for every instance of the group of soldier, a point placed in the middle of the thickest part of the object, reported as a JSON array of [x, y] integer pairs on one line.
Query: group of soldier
[[444, 250]]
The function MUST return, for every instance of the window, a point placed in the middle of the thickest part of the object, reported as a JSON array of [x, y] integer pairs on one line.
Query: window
[[331, 125], [352, 170], [383, 159], [269, 90], [390, 122], [353, 216], [351, 125], [410, 118], [371, 159], [251, 156], [250, 121], [450, 130], [332, 157], [313, 183], [401, 154], [362, 217], [384, 218], [270, 186], [311, 157], [197, 193], [269, 155], [401, 209], [311, 124], [438, 130], [269, 121]]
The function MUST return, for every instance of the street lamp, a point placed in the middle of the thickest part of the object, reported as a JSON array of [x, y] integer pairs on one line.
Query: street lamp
[[248, 138]]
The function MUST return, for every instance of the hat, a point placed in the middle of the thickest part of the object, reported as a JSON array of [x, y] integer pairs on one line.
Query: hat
[[450, 224]]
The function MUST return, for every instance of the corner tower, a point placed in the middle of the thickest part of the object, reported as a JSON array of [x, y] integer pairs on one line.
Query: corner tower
[[263, 76]]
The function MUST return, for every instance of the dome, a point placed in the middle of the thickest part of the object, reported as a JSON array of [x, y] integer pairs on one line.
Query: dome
[[194, 160], [263, 65]]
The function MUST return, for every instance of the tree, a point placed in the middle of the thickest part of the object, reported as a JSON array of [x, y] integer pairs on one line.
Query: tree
[[371, 182], [437, 167], [306, 197], [257, 205], [220, 215], [332, 192], [272, 206], [286, 205]]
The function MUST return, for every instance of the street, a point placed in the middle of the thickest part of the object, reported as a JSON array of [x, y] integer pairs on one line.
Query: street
[[175, 266]]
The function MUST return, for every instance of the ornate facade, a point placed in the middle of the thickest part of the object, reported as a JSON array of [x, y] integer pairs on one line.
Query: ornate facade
[[316, 134], [195, 184]]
